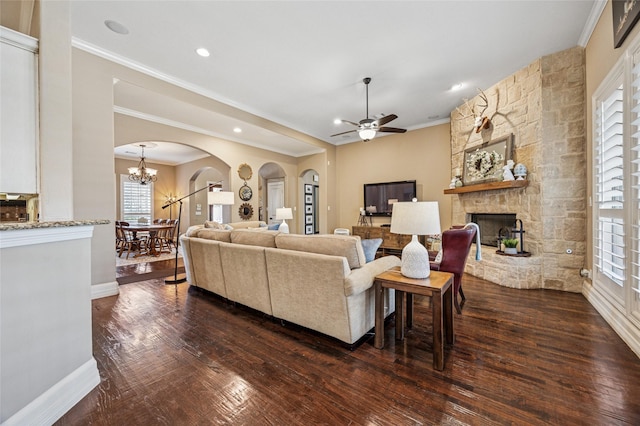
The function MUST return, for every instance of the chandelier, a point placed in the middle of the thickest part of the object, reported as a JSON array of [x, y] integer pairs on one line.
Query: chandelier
[[142, 173]]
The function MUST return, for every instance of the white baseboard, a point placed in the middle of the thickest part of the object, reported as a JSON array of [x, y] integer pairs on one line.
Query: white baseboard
[[60, 398], [104, 290], [627, 330]]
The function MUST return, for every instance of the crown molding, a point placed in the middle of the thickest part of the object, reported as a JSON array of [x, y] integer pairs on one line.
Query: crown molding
[[592, 21]]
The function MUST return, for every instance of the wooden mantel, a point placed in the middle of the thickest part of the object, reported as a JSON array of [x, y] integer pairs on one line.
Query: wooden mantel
[[488, 186]]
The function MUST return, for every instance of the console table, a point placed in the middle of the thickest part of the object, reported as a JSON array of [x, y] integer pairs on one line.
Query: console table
[[439, 286], [391, 243]]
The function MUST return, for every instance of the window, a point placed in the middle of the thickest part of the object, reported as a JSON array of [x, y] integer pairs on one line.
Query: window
[[136, 200], [616, 189], [609, 185]]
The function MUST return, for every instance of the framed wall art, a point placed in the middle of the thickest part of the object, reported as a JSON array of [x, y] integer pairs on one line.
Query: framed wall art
[[308, 189], [625, 16], [484, 163]]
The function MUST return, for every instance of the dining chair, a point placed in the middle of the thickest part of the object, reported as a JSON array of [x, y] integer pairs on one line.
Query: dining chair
[[127, 242]]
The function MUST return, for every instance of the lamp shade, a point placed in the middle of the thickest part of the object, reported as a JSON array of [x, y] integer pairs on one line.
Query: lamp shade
[[284, 213], [415, 218], [221, 198]]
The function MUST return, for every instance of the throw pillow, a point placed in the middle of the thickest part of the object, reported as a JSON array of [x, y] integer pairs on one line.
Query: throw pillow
[[370, 247], [227, 227], [274, 227], [212, 224]]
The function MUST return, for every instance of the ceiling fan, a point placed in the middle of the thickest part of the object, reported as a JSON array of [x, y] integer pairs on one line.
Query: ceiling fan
[[368, 127]]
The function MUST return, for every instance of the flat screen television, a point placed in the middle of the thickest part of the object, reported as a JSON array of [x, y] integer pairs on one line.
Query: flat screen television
[[379, 197]]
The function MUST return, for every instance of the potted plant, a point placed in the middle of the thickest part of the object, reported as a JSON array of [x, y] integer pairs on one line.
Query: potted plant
[[510, 245]]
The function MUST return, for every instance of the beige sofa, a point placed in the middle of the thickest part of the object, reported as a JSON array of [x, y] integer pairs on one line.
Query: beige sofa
[[320, 282]]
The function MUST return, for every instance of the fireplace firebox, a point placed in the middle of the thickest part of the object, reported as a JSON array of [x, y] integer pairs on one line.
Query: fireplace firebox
[[490, 225]]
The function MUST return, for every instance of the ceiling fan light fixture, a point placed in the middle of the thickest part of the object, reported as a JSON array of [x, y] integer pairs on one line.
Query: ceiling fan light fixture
[[367, 134]]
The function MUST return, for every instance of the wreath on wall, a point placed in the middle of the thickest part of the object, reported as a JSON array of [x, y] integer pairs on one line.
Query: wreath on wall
[[483, 164]]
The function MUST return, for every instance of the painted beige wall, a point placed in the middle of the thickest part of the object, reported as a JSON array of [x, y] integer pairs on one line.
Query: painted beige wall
[[423, 155], [55, 121], [600, 59]]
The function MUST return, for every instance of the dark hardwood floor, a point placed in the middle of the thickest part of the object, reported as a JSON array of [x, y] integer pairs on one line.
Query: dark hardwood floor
[[175, 355]]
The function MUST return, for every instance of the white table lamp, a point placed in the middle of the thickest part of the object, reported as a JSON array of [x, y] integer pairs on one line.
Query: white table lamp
[[283, 214], [415, 218]]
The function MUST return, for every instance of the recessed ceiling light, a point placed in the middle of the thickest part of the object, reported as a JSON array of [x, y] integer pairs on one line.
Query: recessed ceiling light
[[202, 52], [457, 86], [116, 27], [337, 121], [237, 129]]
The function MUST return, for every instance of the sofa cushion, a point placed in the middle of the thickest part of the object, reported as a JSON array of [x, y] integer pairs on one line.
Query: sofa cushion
[[370, 247], [191, 231], [335, 245], [212, 234], [262, 238]]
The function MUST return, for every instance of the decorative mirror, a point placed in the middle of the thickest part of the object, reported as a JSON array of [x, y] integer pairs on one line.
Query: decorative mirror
[[245, 172], [245, 193], [245, 211]]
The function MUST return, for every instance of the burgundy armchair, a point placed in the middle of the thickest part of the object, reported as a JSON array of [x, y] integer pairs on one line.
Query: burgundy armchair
[[456, 244]]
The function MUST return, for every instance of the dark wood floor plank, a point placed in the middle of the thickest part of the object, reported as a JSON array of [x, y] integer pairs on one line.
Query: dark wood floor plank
[[177, 355]]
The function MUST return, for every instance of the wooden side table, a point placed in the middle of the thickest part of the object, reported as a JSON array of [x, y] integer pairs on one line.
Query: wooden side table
[[439, 286]]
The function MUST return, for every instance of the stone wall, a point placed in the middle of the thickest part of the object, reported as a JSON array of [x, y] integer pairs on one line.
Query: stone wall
[[543, 106]]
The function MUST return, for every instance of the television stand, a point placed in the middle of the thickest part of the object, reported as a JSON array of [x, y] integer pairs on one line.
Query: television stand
[[392, 244]]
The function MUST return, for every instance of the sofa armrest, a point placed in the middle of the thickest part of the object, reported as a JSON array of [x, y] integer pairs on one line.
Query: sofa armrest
[[361, 279]]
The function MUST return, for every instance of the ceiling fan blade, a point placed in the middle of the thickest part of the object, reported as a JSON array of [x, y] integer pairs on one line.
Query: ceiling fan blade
[[387, 118], [391, 130], [344, 133], [350, 122]]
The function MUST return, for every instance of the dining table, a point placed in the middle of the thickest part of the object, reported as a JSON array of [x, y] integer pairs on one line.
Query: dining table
[[153, 230]]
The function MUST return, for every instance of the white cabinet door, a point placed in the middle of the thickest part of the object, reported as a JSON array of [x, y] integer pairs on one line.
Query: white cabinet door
[[18, 112]]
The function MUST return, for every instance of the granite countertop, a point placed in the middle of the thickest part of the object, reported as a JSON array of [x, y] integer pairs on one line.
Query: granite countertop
[[13, 226]]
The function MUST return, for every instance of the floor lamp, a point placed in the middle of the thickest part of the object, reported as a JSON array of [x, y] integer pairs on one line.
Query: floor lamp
[[177, 279]]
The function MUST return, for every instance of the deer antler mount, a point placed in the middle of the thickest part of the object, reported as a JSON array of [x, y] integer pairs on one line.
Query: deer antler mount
[[479, 122]]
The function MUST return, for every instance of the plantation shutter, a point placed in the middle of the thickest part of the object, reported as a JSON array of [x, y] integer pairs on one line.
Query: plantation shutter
[[136, 200], [609, 174], [634, 164]]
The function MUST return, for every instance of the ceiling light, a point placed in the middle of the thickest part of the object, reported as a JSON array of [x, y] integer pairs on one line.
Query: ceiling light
[[366, 134], [237, 129], [116, 27], [337, 121], [457, 86], [202, 52], [141, 173]]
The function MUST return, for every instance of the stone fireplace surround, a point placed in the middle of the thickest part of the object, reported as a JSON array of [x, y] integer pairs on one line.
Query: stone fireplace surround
[[543, 105]]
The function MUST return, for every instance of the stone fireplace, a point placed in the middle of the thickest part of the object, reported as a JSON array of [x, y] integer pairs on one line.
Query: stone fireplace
[[543, 106]]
